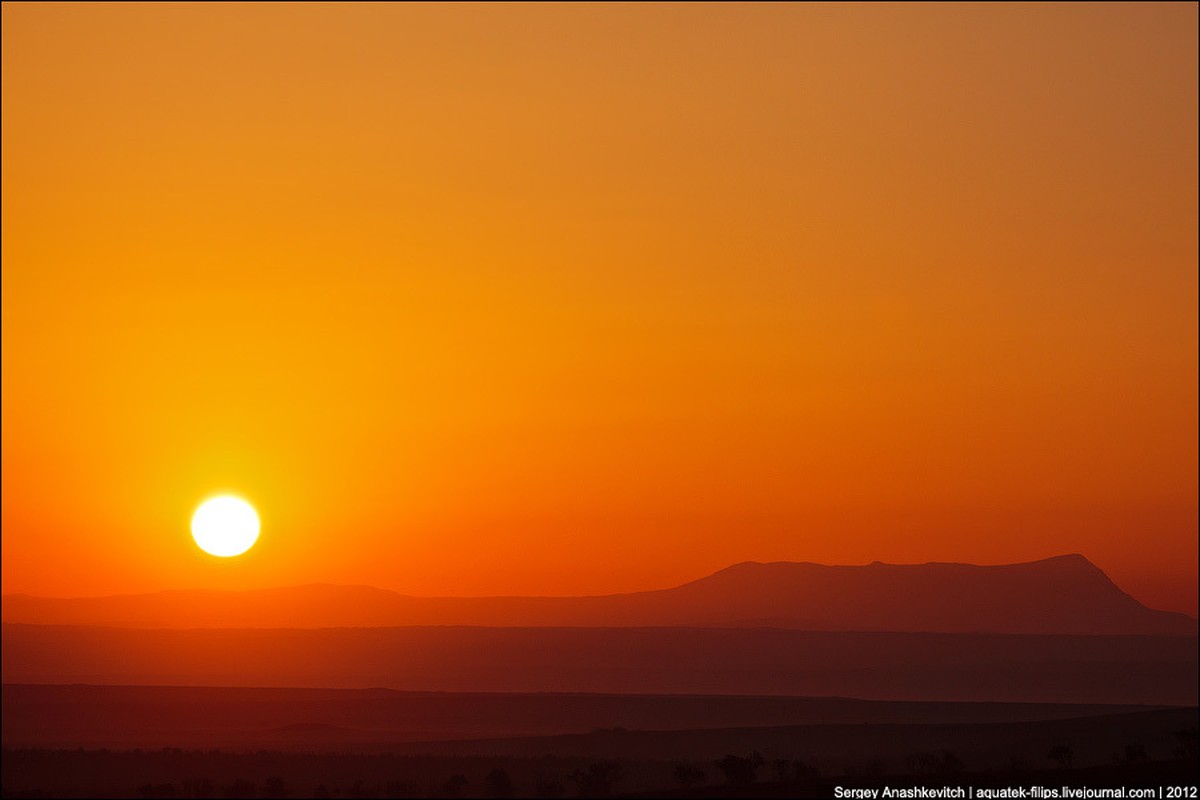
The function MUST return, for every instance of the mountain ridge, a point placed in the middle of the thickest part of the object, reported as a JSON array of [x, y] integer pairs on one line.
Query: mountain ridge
[[1060, 594]]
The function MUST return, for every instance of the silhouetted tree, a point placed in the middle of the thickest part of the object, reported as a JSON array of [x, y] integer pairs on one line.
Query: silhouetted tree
[[322, 791], [454, 786], [1063, 754], [498, 783], [159, 790], [687, 775], [951, 764], [740, 771], [597, 780]]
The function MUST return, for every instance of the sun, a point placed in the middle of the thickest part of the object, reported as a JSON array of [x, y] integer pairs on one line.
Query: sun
[[225, 526]]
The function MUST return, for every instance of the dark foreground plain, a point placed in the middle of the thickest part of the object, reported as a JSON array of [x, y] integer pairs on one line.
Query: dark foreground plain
[[1160, 670], [1140, 748], [376, 720]]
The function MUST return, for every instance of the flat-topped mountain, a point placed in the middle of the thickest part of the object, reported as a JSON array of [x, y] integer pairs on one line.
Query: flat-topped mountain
[[1065, 594]]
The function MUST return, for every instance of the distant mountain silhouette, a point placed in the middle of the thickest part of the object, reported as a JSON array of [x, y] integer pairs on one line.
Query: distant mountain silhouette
[[1065, 594]]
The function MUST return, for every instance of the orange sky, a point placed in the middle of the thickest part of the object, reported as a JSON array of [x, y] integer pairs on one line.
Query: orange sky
[[577, 299]]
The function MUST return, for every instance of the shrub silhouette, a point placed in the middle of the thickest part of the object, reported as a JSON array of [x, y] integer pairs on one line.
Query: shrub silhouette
[[803, 771], [1187, 739], [199, 787], [454, 786], [1134, 753], [598, 779], [740, 771], [549, 787], [498, 783], [400, 789], [687, 775], [274, 786], [1063, 754], [240, 788], [917, 763]]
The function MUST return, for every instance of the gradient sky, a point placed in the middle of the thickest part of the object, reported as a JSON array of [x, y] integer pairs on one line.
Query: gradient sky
[[577, 299]]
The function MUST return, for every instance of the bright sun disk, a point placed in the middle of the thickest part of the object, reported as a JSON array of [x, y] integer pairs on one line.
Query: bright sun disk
[[225, 526]]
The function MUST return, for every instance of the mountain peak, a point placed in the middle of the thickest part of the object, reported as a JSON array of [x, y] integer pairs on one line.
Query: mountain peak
[[1065, 560]]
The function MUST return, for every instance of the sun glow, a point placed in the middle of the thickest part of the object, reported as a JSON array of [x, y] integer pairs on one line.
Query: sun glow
[[225, 526]]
